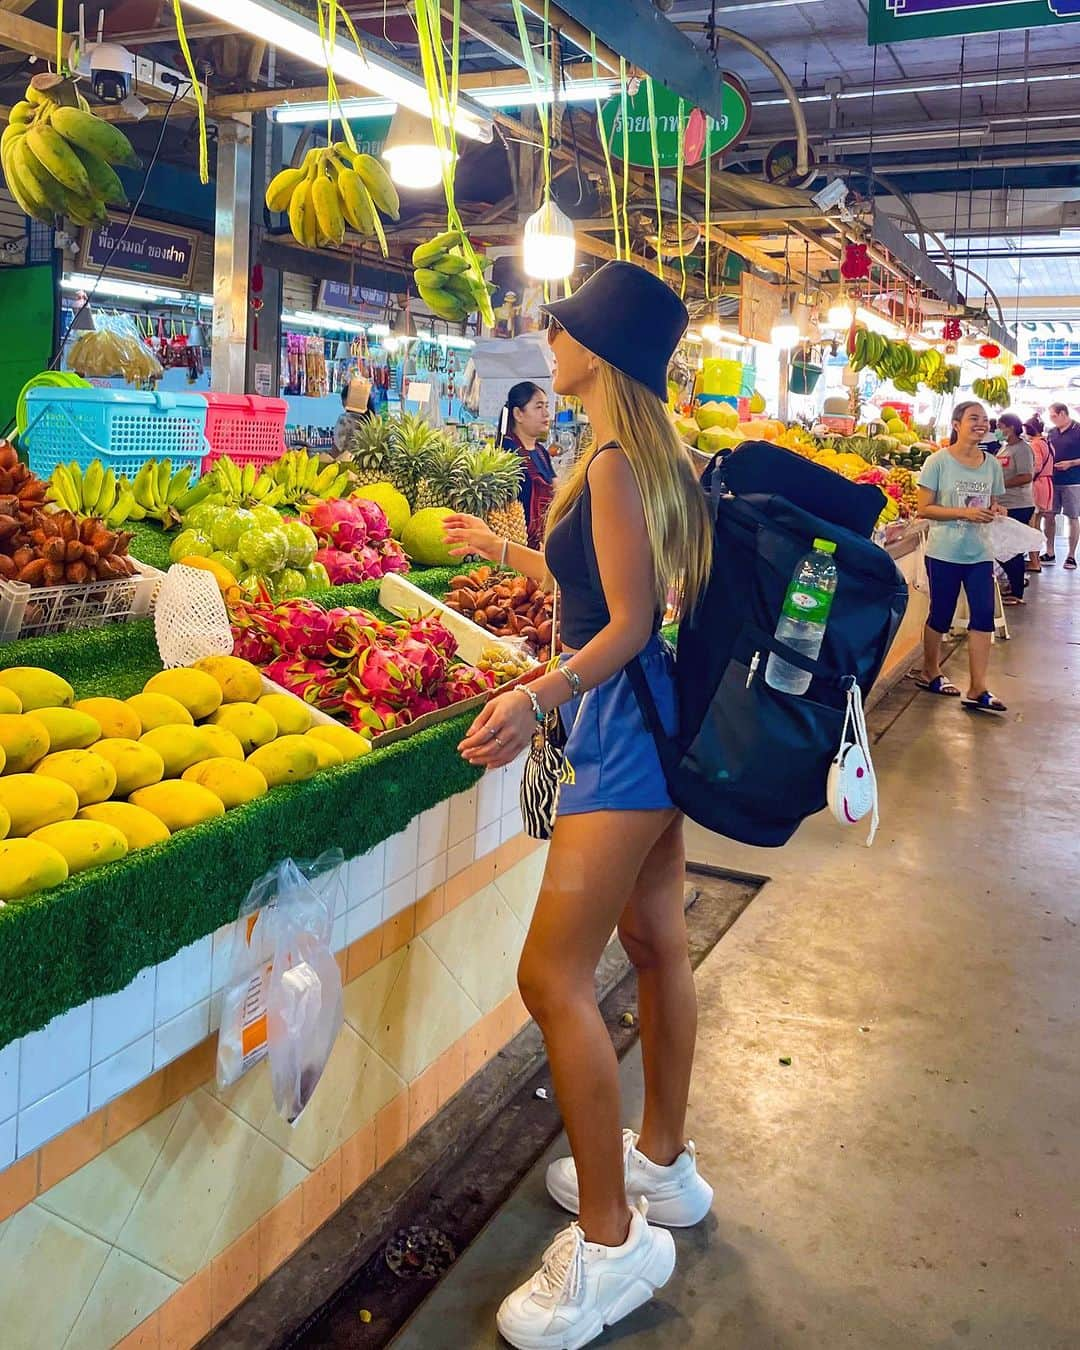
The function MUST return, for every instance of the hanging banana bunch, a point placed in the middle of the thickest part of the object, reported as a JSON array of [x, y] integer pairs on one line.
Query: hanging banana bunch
[[334, 189], [58, 157]]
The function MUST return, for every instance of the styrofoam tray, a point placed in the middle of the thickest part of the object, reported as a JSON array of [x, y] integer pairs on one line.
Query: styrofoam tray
[[401, 597]]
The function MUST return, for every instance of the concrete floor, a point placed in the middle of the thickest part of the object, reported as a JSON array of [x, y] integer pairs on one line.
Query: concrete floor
[[912, 1180]]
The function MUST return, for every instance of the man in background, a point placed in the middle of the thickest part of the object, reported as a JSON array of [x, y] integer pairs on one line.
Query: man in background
[[1065, 443]]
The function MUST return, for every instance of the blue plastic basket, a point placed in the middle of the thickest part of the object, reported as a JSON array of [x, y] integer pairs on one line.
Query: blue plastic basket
[[121, 427]]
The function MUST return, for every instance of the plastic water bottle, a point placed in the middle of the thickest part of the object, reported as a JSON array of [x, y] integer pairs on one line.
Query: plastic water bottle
[[804, 616]]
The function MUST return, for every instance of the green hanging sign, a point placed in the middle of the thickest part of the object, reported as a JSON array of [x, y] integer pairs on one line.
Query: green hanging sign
[[908, 20], [703, 136]]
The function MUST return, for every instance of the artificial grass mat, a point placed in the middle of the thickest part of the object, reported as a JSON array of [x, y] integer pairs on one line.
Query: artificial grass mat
[[92, 935]]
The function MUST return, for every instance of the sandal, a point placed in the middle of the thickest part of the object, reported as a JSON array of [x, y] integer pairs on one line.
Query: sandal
[[1013, 600], [938, 685], [1047, 558], [986, 702], [1070, 564]]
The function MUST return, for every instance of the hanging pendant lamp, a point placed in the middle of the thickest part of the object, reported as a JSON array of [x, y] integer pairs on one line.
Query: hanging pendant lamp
[[550, 250]]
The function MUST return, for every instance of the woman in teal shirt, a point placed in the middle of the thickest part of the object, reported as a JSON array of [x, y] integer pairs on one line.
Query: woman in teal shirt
[[960, 492]]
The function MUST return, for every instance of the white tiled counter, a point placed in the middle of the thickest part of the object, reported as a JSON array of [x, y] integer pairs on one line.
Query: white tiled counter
[[110, 1100]]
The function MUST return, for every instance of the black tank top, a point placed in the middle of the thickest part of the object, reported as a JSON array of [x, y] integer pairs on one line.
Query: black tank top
[[571, 559]]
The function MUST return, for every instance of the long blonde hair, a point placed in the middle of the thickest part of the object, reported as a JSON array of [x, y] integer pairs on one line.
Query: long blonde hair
[[676, 516]]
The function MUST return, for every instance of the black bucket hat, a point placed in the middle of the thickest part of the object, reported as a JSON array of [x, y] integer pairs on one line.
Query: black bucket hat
[[629, 318]]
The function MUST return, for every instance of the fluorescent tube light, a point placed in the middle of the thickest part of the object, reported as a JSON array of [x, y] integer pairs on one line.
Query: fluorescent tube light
[[130, 290], [298, 36], [504, 96]]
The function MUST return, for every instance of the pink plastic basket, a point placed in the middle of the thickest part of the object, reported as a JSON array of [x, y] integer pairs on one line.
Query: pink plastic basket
[[246, 427]]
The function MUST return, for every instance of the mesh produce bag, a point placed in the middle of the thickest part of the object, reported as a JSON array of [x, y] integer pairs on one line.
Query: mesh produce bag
[[190, 620]]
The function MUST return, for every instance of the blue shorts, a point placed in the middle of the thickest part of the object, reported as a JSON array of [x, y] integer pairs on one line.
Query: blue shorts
[[946, 578], [614, 759]]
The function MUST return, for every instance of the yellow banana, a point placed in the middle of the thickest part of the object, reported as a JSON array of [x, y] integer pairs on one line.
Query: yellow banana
[[37, 98], [92, 481], [24, 188], [106, 499], [281, 187], [41, 181], [379, 183], [356, 201], [88, 132], [104, 182], [52, 151], [327, 206], [302, 215], [21, 113]]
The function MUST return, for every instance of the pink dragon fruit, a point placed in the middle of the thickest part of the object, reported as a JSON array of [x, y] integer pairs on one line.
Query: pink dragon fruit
[[374, 517], [393, 557], [316, 682]]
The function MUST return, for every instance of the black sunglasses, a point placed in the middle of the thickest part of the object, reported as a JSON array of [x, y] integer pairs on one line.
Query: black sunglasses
[[551, 325]]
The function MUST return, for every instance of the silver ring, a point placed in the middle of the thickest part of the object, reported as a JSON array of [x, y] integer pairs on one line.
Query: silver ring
[[500, 743]]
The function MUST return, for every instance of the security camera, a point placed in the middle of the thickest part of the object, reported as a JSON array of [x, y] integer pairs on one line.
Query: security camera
[[112, 69]]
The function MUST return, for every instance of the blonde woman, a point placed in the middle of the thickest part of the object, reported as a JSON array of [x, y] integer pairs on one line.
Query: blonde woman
[[630, 524]]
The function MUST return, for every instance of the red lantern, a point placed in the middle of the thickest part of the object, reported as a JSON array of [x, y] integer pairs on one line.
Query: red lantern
[[1019, 370], [989, 350]]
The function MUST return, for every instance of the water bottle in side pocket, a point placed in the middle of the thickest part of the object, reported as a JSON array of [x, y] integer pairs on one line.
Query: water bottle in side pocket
[[804, 617]]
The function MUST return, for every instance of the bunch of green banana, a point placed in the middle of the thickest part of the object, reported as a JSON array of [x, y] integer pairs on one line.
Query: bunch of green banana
[[994, 391], [247, 486], [95, 491], [302, 477], [445, 279], [332, 190], [57, 156], [160, 494]]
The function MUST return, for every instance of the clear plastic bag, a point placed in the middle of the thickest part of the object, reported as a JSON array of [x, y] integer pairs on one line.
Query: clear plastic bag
[[1009, 537], [283, 996]]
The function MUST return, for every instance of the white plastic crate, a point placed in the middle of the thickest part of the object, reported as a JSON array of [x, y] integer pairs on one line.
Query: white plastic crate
[[41, 611]]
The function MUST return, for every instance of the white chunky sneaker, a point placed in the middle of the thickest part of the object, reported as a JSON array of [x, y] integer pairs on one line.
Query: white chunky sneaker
[[581, 1288], [678, 1196]]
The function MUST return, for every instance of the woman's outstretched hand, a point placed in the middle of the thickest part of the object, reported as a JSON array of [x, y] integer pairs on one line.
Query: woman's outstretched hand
[[467, 536]]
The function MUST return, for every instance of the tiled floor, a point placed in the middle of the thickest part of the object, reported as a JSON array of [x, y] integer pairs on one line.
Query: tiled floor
[[911, 1181]]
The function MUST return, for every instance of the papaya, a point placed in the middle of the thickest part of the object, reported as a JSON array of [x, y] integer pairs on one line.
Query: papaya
[[92, 777], [199, 692], [223, 744], [179, 805], [351, 744], [240, 681], [179, 747], [158, 710], [135, 765], [69, 729], [139, 827], [329, 755], [28, 866], [10, 702], [84, 844], [24, 741], [251, 725], [234, 783], [32, 800], [293, 717], [117, 719], [36, 688], [290, 759]]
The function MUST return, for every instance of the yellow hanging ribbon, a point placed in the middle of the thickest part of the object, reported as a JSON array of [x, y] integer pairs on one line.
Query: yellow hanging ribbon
[[59, 37], [656, 175], [625, 153], [602, 130], [708, 211], [196, 93], [680, 171]]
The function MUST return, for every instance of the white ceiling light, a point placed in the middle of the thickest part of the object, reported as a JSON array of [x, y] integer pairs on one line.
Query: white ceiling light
[[840, 315], [415, 160], [785, 331], [130, 290], [503, 96], [298, 36], [549, 249]]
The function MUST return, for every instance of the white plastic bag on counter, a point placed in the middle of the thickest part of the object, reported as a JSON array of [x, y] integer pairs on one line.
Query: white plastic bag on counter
[[283, 996]]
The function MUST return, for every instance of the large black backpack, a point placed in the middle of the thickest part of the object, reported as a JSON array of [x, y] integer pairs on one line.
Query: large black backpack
[[750, 762]]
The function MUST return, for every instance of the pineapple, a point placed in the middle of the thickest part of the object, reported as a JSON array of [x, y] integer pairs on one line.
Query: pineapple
[[443, 476], [413, 441], [491, 481], [370, 454]]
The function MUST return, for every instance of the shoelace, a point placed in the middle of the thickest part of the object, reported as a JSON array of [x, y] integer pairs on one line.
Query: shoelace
[[562, 1271]]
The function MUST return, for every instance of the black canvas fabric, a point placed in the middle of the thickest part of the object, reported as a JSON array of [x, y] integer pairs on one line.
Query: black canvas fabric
[[750, 762]]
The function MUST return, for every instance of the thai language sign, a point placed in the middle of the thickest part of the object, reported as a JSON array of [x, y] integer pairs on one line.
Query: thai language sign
[[672, 118], [160, 252]]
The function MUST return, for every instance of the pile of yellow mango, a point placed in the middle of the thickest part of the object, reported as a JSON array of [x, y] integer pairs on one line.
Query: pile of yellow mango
[[83, 782]]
